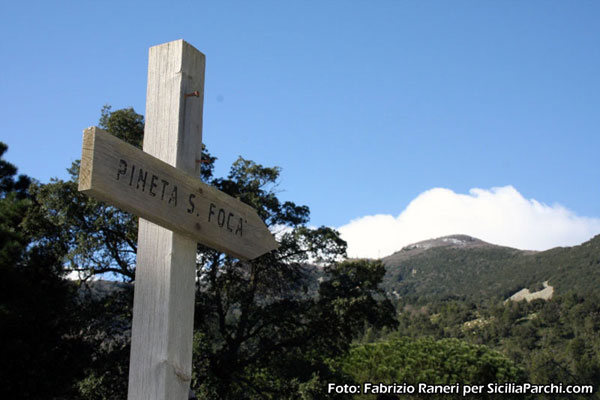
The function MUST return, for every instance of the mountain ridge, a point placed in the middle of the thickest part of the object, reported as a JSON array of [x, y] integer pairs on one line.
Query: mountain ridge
[[452, 241], [466, 267]]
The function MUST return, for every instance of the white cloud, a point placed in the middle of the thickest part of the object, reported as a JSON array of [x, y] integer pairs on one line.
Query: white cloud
[[500, 216]]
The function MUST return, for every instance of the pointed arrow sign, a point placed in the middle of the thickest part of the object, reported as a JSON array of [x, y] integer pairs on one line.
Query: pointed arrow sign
[[120, 174]]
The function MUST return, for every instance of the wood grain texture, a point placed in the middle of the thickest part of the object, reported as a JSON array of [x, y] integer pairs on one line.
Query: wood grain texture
[[177, 210], [120, 174], [163, 312]]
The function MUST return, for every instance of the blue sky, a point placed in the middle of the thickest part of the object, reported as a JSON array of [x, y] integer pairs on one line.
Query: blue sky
[[368, 107]]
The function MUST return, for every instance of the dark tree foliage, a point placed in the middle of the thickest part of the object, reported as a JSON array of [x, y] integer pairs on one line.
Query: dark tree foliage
[[14, 201], [425, 360], [267, 335], [105, 327], [125, 124], [40, 353], [10, 185], [97, 238], [277, 342]]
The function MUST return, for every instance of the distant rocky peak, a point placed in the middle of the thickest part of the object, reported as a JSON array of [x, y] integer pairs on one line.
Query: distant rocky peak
[[446, 241]]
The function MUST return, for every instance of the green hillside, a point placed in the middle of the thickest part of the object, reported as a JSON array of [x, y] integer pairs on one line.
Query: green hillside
[[460, 266]]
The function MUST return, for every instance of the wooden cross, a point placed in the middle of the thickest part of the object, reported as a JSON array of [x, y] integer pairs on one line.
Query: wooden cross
[[176, 211]]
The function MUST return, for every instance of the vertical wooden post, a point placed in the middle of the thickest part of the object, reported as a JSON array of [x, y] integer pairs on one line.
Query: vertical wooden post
[[163, 312]]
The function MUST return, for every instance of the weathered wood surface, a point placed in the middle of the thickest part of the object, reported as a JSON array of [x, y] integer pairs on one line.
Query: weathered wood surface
[[120, 174], [177, 211], [160, 366]]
